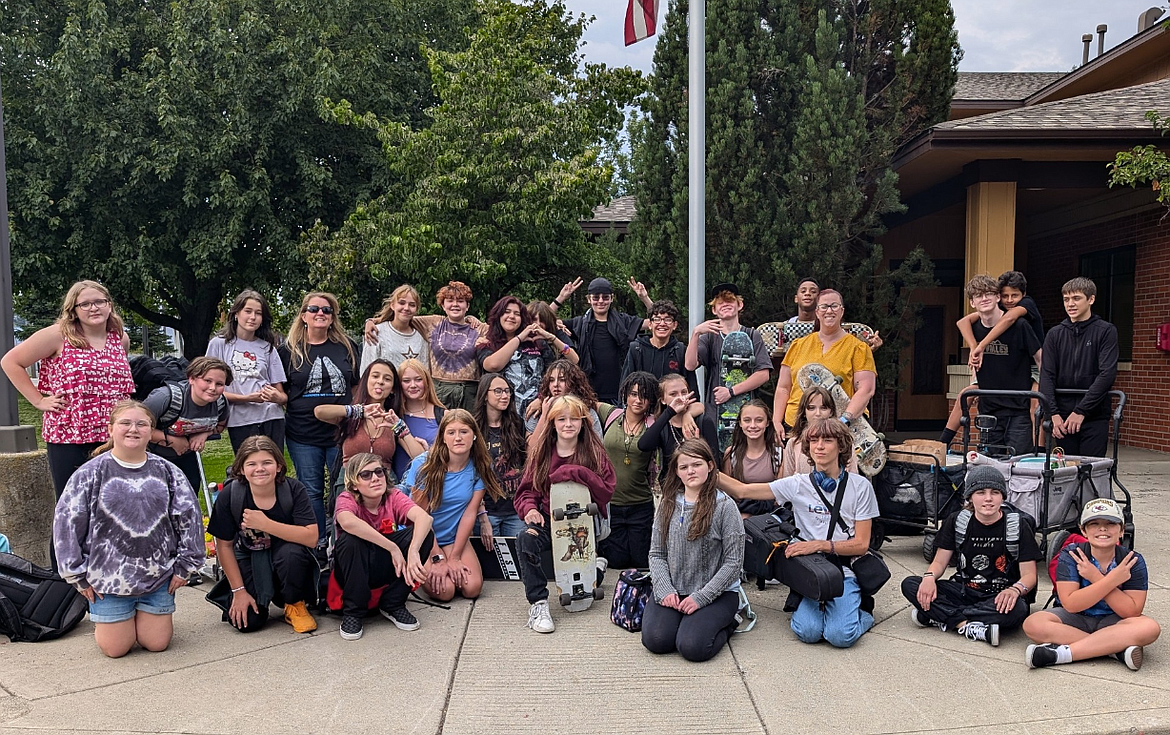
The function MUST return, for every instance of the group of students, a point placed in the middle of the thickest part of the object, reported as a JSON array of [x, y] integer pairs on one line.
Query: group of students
[[447, 427]]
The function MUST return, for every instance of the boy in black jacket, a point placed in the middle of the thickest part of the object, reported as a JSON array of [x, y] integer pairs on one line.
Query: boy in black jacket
[[660, 353], [1080, 352]]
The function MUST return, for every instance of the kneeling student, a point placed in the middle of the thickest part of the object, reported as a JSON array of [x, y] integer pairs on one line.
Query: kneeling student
[[696, 553], [1101, 589], [379, 538], [996, 566]]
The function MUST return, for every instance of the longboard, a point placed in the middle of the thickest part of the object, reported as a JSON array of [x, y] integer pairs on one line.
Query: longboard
[[574, 549], [867, 443], [778, 335], [735, 359]]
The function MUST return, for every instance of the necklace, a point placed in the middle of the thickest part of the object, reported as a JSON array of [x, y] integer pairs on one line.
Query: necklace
[[629, 437]]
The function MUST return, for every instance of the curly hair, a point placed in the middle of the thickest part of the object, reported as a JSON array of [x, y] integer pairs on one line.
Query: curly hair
[[496, 338], [428, 487], [454, 290], [590, 452], [672, 488], [578, 382]]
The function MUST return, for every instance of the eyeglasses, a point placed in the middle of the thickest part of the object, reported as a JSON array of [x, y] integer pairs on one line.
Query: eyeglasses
[[313, 309], [829, 307], [661, 319], [127, 423], [366, 475], [95, 304], [501, 391]]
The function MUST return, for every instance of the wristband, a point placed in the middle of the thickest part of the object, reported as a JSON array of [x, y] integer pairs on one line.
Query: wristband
[[482, 513], [399, 428], [557, 303], [833, 547], [237, 589], [928, 574]]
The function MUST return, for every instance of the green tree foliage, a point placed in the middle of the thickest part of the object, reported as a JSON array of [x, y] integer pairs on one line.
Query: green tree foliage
[[177, 151], [807, 102], [491, 192], [1145, 164]]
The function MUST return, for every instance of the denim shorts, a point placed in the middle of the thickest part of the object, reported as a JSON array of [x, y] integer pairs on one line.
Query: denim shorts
[[116, 608]]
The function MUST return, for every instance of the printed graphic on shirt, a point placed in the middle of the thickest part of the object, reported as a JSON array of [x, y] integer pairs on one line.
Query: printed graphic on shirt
[[996, 348], [317, 387], [245, 365], [190, 426]]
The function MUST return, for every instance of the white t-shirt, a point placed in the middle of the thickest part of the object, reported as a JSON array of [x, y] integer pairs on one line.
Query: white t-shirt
[[395, 347], [812, 515], [254, 364]]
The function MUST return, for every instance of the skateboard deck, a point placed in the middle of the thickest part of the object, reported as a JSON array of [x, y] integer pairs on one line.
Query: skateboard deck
[[736, 359], [867, 443], [574, 550], [503, 561], [778, 335]]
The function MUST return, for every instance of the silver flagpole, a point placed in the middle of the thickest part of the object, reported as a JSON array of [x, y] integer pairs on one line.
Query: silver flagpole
[[696, 157]]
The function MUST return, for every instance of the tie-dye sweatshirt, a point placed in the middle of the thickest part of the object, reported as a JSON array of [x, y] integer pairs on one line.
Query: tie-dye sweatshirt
[[124, 530]]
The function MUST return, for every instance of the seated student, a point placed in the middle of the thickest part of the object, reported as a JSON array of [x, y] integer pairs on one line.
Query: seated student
[[659, 353], [816, 404], [182, 427], [696, 555], [842, 620], [266, 552], [562, 449], [1101, 591], [754, 455], [128, 552], [381, 539], [996, 566], [671, 427]]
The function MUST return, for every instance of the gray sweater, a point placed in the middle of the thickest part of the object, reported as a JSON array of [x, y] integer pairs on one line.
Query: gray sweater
[[704, 568]]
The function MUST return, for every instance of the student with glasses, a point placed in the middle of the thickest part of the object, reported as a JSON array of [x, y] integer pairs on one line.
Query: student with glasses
[[507, 443], [659, 353], [603, 335], [843, 354]]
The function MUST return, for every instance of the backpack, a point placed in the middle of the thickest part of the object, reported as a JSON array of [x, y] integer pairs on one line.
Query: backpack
[[175, 407], [630, 595], [1014, 520], [150, 373], [36, 604], [1119, 554], [1071, 538], [236, 492]]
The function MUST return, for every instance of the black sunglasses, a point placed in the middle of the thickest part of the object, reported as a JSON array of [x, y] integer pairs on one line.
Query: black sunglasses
[[366, 475], [313, 309]]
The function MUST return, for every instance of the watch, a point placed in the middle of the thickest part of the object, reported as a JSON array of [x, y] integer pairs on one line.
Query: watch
[[437, 558]]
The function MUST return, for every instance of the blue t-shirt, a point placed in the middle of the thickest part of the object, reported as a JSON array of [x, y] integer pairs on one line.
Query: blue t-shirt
[[458, 489], [421, 428], [1066, 571]]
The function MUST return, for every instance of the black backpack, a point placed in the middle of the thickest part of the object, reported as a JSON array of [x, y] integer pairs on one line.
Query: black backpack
[[36, 604], [150, 373]]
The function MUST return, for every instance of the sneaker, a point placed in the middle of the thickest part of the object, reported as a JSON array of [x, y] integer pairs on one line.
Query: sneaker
[[299, 617], [195, 579], [401, 617], [539, 618], [977, 631], [771, 582], [1039, 655], [922, 620], [351, 627], [1131, 657]]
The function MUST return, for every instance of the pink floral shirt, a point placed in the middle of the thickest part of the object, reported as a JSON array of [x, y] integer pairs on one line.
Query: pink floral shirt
[[92, 381]]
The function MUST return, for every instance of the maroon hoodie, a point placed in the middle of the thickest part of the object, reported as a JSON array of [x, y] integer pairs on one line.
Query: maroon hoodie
[[560, 470]]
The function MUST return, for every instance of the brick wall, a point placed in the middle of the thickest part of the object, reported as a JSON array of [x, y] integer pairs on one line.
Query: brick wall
[[1055, 259]]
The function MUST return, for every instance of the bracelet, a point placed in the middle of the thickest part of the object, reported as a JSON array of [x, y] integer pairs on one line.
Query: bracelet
[[481, 513], [1020, 587], [928, 574], [399, 428], [557, 303], [237, 589], [833, 547]]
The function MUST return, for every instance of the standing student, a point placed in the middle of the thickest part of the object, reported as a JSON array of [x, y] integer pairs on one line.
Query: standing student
[[1080, 352], [265, 553], [183, 427], [805, 298], [603, 335], [669, 428], [248, 344], [371, 424], [631, 511], [320, 361], [659, 353], [421, 411], [695, 560], [449, 482], [127, 533], [562, 449], [507, 444], [560, 379], [83, 373], [544, 315], [754, 455], [391, 335], [382, 541], [452, 338], [842, 620], [519, 348], [706, 349]]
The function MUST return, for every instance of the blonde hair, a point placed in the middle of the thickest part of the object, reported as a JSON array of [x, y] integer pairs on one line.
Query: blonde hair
[[68, 322], [121, 407], [429, 394], [298, 347], [387, 312], [355, 465]]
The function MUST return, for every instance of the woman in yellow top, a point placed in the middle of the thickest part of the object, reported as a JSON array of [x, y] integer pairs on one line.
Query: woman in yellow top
[[840, 352]]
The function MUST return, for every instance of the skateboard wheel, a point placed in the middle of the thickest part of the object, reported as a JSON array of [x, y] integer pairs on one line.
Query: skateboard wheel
[[566, 599], [558, 514], [598, 593], [592, 510]]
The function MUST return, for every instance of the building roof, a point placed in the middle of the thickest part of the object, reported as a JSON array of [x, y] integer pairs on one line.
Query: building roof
[[622, 209], [1114, 109], [1002, 85]]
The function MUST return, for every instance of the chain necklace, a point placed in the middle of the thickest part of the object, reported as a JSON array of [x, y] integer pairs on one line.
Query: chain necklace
[[629, 437]]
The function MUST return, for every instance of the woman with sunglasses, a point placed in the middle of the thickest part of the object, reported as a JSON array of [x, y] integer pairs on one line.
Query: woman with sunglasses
[[319, 360], [84, 372]]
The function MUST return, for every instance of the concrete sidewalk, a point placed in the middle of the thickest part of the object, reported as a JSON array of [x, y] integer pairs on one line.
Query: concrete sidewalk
[[476, 668]]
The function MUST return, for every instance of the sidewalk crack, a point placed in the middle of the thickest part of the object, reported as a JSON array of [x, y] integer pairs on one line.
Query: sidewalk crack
[[455, 669]]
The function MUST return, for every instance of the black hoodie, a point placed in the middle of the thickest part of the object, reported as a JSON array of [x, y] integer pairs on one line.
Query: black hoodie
[[1080, 355], [643, 355]]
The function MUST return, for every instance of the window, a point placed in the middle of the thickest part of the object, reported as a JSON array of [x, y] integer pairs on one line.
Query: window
[[1113, 272]]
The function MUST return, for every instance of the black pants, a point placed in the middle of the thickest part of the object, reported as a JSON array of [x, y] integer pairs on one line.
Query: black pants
[[628, 543], [273, 429], [64, 459], [1091, 441], [698, 636], [1012, 430], [956, 602], [361, 567], [293, 572], [532, 545]]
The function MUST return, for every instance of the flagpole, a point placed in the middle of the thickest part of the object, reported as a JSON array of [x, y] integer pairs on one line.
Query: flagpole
[[696, 157]]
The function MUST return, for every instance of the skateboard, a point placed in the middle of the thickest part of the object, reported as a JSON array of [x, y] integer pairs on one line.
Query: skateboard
[[574, 550], [867, 443], [735, 359], [778, 335]]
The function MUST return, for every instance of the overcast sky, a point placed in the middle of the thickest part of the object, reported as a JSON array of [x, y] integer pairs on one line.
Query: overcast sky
[[996, 35]]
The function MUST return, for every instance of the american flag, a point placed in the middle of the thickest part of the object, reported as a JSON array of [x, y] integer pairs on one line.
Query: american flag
[[641, 20]]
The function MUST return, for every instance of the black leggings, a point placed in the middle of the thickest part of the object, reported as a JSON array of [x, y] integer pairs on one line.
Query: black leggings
[[698, 636], [628, 543], [293, 573], [64, 459], [361, 567], [956, 603]]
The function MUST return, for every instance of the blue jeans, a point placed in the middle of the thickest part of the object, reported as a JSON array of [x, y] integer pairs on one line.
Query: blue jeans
[[841, 622], [512, 525], [116, 608], [309, 461]]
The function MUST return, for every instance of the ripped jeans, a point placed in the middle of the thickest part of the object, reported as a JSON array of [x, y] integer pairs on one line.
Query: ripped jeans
[[532, 546]]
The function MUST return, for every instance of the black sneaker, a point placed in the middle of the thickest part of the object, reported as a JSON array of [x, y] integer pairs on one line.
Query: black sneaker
[[1131, 657], [195, 579], [978, 631], [1040, 655], [401, 618], [351, 627]]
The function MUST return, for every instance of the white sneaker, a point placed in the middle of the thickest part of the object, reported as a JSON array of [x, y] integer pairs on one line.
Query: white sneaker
[[539, 618]]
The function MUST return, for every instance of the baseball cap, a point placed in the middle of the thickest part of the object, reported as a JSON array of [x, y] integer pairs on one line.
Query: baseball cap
[[982, 477], [600, 285], [1102, 509], [719, 288]]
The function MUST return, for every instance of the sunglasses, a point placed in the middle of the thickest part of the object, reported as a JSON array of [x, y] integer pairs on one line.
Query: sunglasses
[[313, 309], [367, 475]]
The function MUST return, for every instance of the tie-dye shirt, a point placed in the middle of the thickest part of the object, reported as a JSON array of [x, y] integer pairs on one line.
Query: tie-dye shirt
[[127, 530]]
